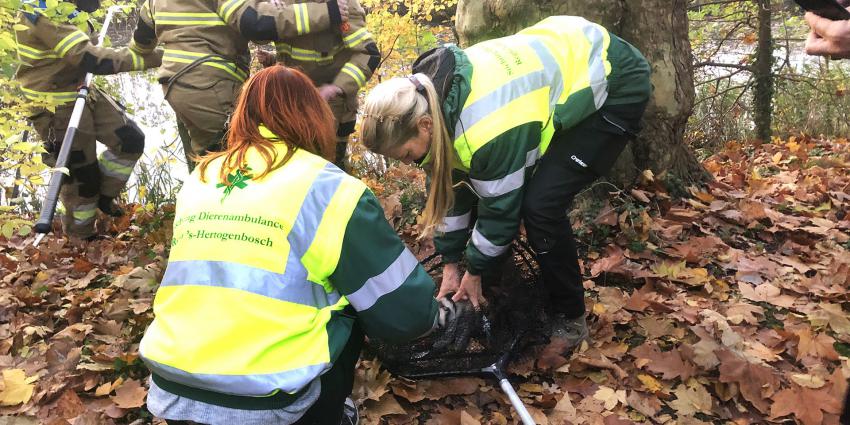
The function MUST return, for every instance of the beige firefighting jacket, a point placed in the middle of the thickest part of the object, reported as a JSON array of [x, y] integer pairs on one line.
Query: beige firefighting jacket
[[346, 60], [209, 38], [56, 56]]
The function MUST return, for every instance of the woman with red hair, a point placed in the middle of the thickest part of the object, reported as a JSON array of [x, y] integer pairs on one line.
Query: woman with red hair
[[279, 263]]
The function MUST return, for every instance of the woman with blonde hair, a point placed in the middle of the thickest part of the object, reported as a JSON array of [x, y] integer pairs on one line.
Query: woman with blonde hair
[[279, 263], [513, 128]]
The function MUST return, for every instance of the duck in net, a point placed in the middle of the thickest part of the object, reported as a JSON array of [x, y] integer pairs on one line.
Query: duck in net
[[513, 319]]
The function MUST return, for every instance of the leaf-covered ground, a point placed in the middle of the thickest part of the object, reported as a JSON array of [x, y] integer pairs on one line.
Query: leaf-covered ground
[[729, 306]]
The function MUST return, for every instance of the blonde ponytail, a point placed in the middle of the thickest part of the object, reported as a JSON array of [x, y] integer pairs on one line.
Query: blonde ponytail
[[390, 116]]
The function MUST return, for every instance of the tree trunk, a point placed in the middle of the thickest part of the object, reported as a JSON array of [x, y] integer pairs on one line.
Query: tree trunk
[[659, 29], [763, 70]]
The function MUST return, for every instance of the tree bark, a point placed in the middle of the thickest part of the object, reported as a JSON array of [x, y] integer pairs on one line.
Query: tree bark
[[763, 73], [659, 29]]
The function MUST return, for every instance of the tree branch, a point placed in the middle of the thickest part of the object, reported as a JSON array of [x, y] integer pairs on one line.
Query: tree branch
[[724, 65]]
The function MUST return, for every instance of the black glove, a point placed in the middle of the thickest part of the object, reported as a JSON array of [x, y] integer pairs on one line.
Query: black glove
[[456, 323]]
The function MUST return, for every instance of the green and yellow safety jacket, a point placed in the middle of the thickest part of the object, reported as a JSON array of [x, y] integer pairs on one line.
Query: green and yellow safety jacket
[[55, 56], [266, 277], [346, 60], [504, 101], [214, 34]]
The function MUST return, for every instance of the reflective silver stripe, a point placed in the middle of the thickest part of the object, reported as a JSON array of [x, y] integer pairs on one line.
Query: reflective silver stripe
[[33, 53], [455, 223], [485, 246], [289, 287], [386, 282], [355, 73], [596, 65], [549, 76], [180, 18], [306, 224], [509, 183], [228, 8], [357, 37], [136, 60], [70, 41], [40, 95], [85, 213], [307, 55], [302, 22], [256, 385], [292, 285], [113, 166]]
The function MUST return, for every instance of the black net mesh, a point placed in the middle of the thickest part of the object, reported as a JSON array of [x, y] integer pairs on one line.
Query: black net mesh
[[513, 320]]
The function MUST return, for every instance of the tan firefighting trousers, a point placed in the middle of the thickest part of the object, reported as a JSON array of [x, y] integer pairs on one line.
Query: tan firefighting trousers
[[91, 176]]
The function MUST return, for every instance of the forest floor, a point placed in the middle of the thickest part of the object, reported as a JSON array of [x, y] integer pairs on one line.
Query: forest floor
[[721, 304]]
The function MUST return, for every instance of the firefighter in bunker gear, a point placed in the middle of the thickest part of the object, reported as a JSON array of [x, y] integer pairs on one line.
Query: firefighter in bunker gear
[[339, 64], [55, 56], [206, 53]]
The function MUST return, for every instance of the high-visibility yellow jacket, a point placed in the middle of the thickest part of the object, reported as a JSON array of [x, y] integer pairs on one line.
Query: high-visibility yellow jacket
[[266, 277], [56, 55], [214, 34], [503, 101]]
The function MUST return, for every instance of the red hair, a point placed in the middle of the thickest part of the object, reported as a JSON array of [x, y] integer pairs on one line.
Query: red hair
[[286, 102]]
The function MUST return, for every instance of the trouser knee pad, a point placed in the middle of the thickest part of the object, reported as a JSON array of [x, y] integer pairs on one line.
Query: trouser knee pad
[[132, 138], [88, 176]]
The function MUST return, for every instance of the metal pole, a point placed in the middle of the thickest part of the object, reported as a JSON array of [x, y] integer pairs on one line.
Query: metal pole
[[45, 219], [496, 369], [516, 402]]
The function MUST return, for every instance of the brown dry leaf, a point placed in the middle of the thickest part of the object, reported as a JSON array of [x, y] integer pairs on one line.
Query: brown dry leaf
[[387, 405], [819, 346], [614, 257], [656, 327], [704, 350], [648, 405], [649, 382], [467, 419], [436, 389], [551, 357], [766, 293], [807, 405], [691, 399], [610, 397], [808, 381], [669, 363], [130, 395], [539, 417], [832, 315], [638, 300], [744, 312], [103, 390], [17, 388], [565, 408], [756, 382], [69, 405]]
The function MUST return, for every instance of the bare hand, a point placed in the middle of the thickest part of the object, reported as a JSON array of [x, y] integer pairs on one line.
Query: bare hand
[[470, 289], [451, 280], [343, 9], [266, 59], [828, 37], [329, 92]]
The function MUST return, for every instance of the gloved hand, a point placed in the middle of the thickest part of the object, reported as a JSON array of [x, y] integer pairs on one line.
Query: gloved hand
[[329, 92], [456, 322]]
